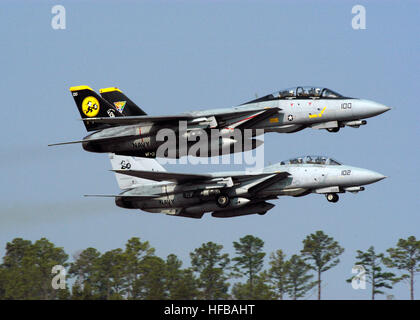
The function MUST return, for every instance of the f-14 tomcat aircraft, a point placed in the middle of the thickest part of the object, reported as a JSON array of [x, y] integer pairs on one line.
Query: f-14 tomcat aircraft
[[148, 187], [121, 127]]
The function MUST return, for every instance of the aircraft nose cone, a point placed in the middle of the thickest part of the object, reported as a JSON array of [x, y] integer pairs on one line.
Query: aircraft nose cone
[[375, 108], [381, 108], [368, 108], [372, 176]]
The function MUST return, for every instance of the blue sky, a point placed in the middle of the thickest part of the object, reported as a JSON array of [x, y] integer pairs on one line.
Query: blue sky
[[175, 56]]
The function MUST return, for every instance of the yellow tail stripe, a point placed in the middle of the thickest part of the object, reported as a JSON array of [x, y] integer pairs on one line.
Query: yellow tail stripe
[[110, 89], [77, 88]]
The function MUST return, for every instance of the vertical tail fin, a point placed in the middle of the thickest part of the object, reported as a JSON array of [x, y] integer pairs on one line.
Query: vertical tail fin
[[126, 162], [90, 105], [121, 102]]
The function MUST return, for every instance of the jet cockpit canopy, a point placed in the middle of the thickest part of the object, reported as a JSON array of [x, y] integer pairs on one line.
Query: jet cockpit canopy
[[307, 92], [321, 160]]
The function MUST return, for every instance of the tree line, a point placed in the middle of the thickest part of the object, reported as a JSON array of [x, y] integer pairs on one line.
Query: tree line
[[135, 272]]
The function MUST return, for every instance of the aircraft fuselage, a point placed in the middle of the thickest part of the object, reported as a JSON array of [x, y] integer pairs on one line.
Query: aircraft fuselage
[[193, 199], [294, 115]]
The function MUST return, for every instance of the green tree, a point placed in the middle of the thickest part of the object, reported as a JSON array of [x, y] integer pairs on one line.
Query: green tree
[[173, 273], [180, 283], [371, 262], [45, 256], [85, 270], [249, 260], [16, 281], [406, 257], [2, 283], [151, 283], [211, 266], [187, 288], [116, 274], [135, 252], [322, 252], [77, 293], [27, 269], [111, 274], [260, 290], [297, 281], [277, 274]]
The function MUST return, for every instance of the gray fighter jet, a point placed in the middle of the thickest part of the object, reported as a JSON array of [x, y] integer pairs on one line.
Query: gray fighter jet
[[121, 127], [148, 187]]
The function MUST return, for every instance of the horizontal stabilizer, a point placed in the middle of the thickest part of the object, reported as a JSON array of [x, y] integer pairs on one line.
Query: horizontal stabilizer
[[61, 143], [165, 176], [93, 140], [120, 195]]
